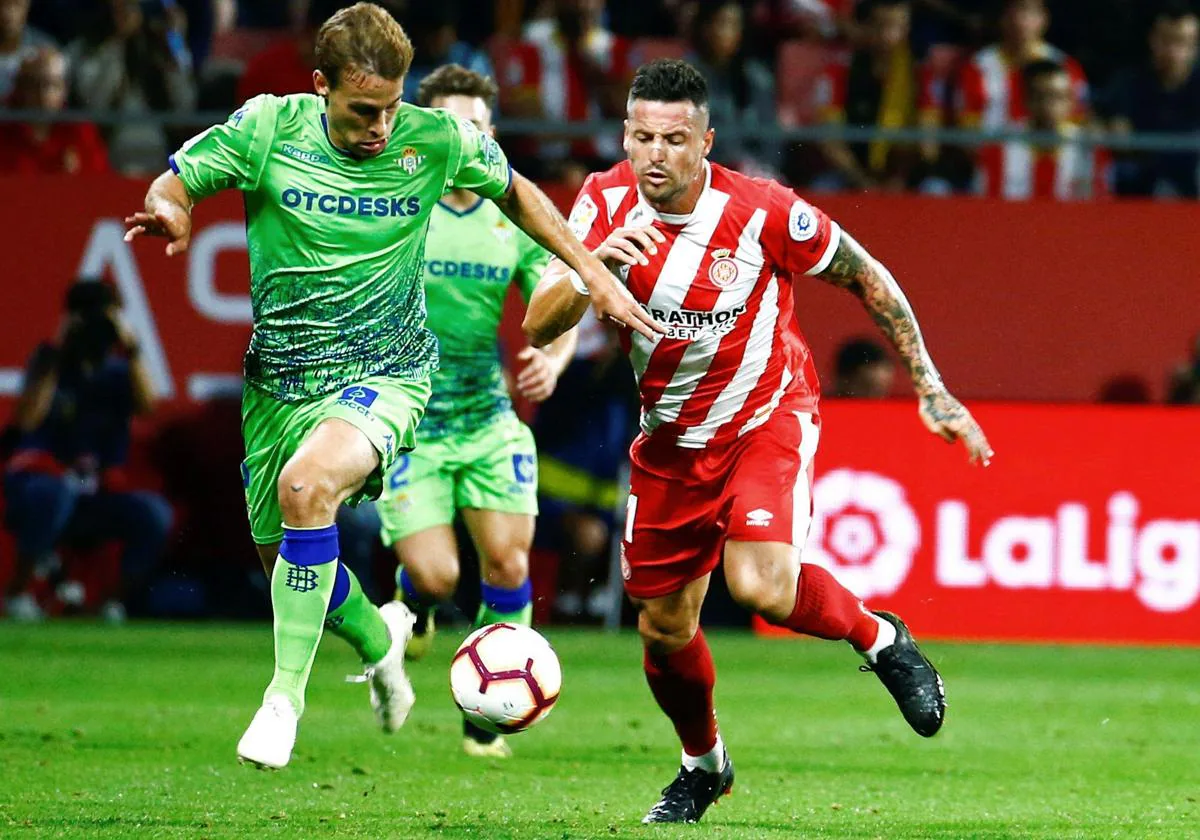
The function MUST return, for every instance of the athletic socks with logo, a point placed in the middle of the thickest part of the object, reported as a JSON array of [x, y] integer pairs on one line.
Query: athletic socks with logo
[[302, 584]]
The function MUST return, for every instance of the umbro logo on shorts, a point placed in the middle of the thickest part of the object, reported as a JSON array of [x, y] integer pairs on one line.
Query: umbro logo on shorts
[[359, 394], [760, 517]]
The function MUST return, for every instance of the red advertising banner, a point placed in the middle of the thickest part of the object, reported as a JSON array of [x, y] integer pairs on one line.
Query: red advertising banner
[[1086, 528], [1037, 301]]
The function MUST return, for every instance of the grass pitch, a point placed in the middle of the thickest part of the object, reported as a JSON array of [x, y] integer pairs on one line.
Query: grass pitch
[[130, 732]]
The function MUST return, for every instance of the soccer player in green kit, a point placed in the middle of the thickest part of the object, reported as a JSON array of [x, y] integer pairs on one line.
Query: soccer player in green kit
[[474, 454], [339, 188]]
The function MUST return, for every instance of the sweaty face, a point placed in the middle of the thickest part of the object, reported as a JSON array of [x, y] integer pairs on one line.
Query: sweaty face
[[361, 110], [667, 143]]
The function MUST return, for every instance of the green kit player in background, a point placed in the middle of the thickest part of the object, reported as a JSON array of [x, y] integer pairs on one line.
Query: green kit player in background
[[474, 454], [339, 188]]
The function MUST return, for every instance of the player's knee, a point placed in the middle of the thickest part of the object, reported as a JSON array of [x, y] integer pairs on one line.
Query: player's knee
[[666, 634], [507, 567], [306, 497], [436, 578], [748, 586]]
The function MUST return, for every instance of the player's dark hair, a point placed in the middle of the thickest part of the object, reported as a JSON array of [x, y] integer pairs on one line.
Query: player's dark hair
[[1035, 70], [366, 37], [857, 354], [669, 80], [456, 80]]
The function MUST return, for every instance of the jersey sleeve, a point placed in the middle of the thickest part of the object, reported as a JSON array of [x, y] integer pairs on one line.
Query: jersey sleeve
[[798, 237], [480, 164], [532, 260], [586, 221], [231, 155]]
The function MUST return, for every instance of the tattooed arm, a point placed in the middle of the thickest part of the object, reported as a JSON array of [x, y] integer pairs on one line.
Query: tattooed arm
[[856, 271]]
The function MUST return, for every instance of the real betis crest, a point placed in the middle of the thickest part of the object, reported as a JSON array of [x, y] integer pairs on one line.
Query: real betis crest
[[410, 160]]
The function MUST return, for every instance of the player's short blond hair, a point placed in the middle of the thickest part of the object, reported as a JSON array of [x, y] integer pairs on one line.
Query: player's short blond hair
[[366, 38]]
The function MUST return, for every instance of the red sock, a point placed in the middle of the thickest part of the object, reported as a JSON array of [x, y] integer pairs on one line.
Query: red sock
[[682, 683], [826, 609]]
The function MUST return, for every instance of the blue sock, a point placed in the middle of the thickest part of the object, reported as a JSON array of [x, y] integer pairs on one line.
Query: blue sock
[[514, 606]]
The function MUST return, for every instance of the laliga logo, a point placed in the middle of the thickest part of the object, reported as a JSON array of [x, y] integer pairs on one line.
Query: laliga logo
[[864, 531]]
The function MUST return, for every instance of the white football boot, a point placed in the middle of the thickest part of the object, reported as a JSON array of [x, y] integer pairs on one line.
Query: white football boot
[[269, 739], [392, 695]]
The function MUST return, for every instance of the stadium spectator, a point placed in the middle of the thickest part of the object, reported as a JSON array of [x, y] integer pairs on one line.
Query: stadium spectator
[[48, 148], [433, 27], [989, 94], [1161, 97], [17, 40], [876, 85], [1071, 170], [65, 484], [862, 370], [568, 67], [1183, 388], [286, 66], [133, 59], [742, 90], [583, 434]]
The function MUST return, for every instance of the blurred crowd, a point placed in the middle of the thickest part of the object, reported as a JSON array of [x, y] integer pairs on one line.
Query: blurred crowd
[[1072, 74]]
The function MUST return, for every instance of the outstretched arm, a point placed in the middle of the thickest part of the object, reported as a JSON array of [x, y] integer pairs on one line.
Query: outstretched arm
[[168, 214], [867, 279], [532, 211]]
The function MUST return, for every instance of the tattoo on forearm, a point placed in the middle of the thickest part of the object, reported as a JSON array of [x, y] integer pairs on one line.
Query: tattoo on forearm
[[856, 271]]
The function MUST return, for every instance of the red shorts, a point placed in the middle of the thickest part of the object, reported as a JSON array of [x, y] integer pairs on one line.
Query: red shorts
[[684, 504]]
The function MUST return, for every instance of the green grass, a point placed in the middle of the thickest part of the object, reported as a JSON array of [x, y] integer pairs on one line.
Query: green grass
[[130, 732]]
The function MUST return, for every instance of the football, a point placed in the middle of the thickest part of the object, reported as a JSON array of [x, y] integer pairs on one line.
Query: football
[[505, 677]]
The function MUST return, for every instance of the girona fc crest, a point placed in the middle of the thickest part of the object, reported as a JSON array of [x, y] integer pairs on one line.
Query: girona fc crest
[[724, 269]]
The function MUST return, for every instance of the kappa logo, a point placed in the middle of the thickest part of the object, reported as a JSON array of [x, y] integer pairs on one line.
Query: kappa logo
[[802, 221], [759, 517], [723, 272], [359, 394], [524, 468]]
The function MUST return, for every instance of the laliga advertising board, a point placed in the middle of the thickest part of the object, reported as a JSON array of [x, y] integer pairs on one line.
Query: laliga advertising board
[[1085, 528]]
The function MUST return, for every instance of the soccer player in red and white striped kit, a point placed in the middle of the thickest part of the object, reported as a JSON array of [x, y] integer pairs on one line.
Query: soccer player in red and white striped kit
[[722, 469]]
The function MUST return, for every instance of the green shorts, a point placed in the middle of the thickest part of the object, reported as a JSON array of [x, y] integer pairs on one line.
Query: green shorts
[[385, 409], [492, 468]]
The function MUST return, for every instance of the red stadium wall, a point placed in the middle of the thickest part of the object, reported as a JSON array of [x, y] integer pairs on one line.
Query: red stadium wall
[[1018, 301], [1086, 527]]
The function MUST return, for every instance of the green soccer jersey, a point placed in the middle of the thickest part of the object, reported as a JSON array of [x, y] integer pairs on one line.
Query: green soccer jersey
[[471, 259], [336, 243]]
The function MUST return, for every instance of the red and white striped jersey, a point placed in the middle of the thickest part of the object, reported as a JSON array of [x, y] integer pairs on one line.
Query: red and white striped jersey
[[1018, 171], [722, 285], [991, 95]]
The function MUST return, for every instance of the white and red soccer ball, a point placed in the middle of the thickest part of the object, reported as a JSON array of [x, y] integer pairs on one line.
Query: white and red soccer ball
[[505, 677]]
